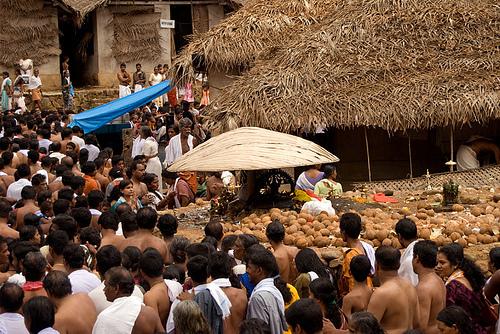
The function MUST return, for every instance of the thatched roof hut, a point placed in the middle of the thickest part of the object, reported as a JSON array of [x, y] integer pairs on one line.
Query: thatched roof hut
[[83, 7], [234, 43], [26, 27], [394, 64]]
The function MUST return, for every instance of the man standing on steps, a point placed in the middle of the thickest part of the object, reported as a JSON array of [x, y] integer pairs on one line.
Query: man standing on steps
[[123, 81], [139, 78]]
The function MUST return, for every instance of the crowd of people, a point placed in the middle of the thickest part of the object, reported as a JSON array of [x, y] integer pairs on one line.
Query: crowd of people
[[85, 246]]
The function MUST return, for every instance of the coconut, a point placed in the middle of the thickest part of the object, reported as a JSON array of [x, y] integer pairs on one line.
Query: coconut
[[301, 242], [455, 236], [376, 243], [395, 243], [421, 215], [476, 211], [302, 221], [425, 233], [457, 207], [472, 239], [382, 234], [387, 242], [370, 234], [317, 226], [324, 232], [289, 240], [462, 242], [292, 229]]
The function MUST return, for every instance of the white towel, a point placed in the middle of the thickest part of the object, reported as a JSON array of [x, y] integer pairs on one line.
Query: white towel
[[267, 284], [313, 275], [174, 149], [119, 317], [215, 288], [124, 91], [370, 253], [174, 289]]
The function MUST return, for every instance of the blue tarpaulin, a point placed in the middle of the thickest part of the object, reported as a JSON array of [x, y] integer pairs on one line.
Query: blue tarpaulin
[[92, 119]]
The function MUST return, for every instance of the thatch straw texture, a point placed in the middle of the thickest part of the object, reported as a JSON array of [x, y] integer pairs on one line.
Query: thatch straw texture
[[83, 7], [136, 36], [27, 31], [252, 149], [234, 43], [394, 64]]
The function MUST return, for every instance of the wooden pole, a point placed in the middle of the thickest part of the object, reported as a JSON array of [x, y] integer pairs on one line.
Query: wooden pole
[[409, 153], [452, 153], [368, 157]]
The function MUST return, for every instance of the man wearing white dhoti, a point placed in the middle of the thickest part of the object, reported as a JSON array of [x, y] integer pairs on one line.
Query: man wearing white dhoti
[[123, 81], [180, 144], [126, 313], [150, 151]]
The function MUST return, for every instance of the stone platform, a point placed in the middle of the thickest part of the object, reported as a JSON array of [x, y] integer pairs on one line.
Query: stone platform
[[85, 98]]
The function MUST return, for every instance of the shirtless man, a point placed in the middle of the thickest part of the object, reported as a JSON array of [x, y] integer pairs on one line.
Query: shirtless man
[[5, 230], [6, 178], [47, 164], [99, 176], [219, 269], [7, 160], [144, 238], [125, 308], [28, 195], [284, 255], [151, 266], [57, 240], [358, 298], [430, 289], [137, 170], [34, 267], [124, 80], [58, 287], [108, 221], [395, 302], [66, 135]]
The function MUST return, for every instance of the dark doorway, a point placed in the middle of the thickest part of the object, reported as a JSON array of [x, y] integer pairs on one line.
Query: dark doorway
[[182, 14], [76, 41]]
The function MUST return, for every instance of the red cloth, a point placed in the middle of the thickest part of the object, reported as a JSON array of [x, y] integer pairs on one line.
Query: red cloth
[[32, 286], [311, 194], [381, 198]]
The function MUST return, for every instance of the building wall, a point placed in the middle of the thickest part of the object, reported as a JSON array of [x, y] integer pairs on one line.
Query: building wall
[[107, 64], [49, 71]]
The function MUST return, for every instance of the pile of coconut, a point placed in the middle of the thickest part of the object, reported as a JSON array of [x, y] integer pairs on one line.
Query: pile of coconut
[[477, 224]]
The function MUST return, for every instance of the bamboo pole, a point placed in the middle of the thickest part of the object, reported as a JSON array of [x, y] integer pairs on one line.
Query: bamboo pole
[[368, 157], [409, 153]]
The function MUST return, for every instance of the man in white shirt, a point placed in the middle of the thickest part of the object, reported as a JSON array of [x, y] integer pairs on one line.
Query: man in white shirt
[[81, 279], [22, 175], [77, 132], [44, 139], [467, 154], [11, 301], [407, 236], [90, 145], [106, 258]]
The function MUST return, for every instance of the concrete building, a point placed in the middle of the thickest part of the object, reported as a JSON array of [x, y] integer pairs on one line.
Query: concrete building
[[98, 35]]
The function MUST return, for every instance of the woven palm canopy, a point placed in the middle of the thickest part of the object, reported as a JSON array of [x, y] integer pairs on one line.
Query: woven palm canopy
[[252, 149], [392, 64]]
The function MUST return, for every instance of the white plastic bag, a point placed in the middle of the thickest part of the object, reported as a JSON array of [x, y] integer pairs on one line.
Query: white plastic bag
[[315, 207]]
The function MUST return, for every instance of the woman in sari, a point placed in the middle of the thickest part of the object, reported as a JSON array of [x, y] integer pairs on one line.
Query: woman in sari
[[328, 186], [308, 179], [18, 90], [6, 92], [128, 196], [150, 151], [464, 284]]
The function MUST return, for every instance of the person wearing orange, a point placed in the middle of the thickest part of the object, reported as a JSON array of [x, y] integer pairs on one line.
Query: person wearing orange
[[350, 228], [89, 169]]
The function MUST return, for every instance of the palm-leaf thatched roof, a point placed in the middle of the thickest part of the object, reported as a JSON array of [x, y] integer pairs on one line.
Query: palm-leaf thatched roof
[[83, 7], [236, 40], [252, 149], [394, 64]]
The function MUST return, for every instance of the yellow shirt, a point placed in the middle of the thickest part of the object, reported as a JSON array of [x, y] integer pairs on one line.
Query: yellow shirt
[[295, 297]]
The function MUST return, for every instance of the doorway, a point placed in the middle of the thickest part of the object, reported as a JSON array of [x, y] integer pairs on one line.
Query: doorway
[[182, 14], [76, 41]]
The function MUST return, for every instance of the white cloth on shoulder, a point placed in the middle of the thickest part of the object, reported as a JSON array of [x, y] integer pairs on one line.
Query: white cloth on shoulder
[[215, 288], [174, 149], [370, 253], [120, 317], [312, 275], [267, 285], [174, 290]]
